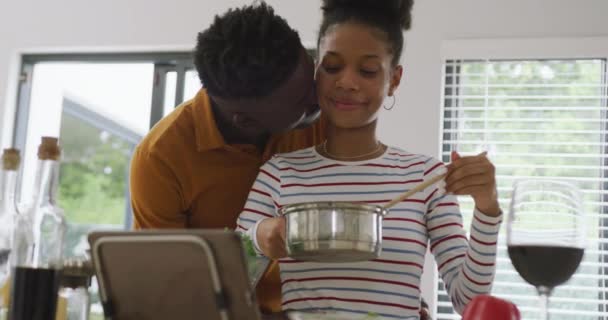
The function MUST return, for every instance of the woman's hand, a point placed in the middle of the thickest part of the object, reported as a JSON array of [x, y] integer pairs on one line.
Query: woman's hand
[[271, 237], [474, 176]]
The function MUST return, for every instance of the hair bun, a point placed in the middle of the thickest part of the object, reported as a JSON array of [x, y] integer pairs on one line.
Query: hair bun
[[401, 10]]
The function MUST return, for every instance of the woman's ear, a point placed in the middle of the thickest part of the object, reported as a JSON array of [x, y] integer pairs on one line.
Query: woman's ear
[[395, 79]]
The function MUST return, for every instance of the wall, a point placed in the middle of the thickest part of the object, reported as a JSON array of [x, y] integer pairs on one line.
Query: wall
[[63, 24], [414, 123]]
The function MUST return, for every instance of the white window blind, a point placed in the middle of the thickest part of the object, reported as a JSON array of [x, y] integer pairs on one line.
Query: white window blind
[[536, 118]]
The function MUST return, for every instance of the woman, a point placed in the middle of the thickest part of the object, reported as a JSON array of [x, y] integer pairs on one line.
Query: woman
[[360, 44]]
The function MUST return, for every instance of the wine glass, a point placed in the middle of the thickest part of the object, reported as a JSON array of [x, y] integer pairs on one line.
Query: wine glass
[[545, 234]]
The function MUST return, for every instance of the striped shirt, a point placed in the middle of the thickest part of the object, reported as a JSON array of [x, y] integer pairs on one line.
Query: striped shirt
[[390, 285]]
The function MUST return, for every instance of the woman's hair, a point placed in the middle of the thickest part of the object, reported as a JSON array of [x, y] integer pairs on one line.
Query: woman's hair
[[392, 17], [246, 52]]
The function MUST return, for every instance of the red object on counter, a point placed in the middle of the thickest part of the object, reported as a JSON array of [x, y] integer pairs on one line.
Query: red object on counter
[[487, 307]]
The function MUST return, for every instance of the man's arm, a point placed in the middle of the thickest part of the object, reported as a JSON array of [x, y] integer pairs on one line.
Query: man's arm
[[156, 196]]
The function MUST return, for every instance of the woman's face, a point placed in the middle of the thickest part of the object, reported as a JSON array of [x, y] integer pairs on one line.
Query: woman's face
[[354, 74]]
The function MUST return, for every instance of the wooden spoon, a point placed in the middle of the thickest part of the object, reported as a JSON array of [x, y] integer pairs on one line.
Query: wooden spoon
[[417, 188]]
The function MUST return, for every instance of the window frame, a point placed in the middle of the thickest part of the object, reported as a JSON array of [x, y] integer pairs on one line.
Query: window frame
[[604, 221]]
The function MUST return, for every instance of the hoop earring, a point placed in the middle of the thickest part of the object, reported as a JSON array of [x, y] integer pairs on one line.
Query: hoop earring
[[392, 105]]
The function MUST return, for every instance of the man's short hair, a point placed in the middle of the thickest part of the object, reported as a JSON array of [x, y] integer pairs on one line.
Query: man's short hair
[[246, 53]]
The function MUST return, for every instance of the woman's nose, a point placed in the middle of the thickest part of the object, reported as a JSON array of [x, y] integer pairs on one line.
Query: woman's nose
[[347, 80]]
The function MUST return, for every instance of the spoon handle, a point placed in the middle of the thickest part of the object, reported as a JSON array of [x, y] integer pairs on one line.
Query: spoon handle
[[417, 188]]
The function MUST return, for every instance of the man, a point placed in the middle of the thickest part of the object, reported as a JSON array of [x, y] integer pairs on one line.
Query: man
[[196, 166]]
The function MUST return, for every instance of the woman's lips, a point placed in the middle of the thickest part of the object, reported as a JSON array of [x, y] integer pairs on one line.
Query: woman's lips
[[346, 105]]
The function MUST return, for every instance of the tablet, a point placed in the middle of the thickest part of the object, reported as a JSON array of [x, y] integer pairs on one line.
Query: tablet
[[173, 274]]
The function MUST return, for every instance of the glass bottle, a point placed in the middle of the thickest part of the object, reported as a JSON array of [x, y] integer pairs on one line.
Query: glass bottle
[[8, 211], [38, 243], [74, 290]]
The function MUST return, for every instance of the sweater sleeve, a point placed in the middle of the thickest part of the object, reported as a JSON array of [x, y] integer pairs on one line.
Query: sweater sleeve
[[467, 266], [262, 202]]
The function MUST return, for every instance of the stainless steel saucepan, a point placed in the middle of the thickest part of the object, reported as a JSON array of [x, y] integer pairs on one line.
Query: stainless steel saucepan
[[333, 231], [338, 231]]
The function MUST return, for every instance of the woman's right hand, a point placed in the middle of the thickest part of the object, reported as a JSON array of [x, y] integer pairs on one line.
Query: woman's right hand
[[271, 237]]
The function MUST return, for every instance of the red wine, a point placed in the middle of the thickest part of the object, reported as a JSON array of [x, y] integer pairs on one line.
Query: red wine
[[34, 294], [547, 266]]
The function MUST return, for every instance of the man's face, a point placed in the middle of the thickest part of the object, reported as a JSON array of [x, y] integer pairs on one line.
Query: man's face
[[293, 104]]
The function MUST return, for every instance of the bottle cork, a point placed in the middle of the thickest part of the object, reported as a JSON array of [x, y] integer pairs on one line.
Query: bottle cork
[[11, 159], [76, 272], [49, 149]]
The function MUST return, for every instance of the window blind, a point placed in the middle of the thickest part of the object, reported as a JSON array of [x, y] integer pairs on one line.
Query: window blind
[[536, 118]]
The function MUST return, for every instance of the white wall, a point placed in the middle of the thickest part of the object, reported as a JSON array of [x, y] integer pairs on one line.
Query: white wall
[[413, 124], [63, 24]]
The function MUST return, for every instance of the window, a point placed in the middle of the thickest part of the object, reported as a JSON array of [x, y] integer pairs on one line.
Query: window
[[93, 175], [87, 105], [191, 85], [100, 106], [536, 118]]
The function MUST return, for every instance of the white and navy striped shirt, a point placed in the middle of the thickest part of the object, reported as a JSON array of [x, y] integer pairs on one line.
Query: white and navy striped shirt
[[390, 285]]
